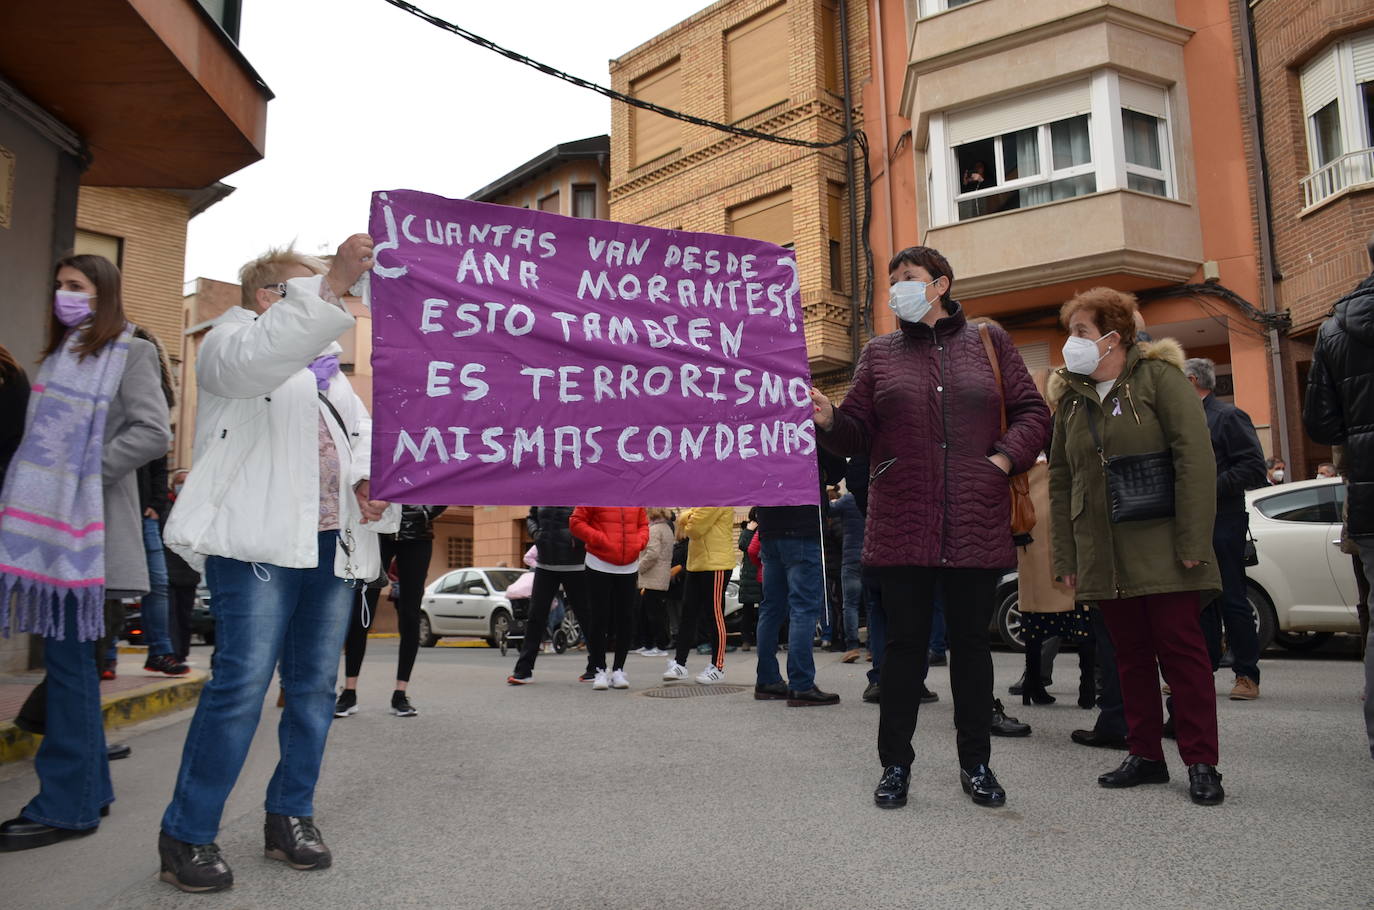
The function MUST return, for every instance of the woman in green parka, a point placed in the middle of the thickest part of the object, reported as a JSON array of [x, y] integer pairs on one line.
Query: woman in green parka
[[1148, 577]]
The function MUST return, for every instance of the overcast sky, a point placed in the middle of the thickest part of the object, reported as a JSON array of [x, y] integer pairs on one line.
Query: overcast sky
[[369, 98]]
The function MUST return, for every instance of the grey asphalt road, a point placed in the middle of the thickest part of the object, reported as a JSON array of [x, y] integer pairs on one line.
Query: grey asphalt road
[[555, 796]]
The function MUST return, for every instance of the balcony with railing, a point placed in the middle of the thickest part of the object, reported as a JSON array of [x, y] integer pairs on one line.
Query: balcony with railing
[[1353, 169]]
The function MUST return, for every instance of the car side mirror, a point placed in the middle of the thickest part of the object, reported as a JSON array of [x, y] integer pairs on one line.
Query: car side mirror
[[477, 588]]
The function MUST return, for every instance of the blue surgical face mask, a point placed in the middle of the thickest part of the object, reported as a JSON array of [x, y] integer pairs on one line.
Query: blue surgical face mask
[[908, 300]]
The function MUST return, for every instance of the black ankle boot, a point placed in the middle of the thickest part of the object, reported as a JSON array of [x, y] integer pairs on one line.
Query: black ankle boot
[[295, 841], [194, 868]]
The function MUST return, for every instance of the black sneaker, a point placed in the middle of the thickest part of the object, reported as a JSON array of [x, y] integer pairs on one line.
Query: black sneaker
[[166, 663], [347, 705], [587, 676], [295, 841], [195, 868], [401, 706], [927, 696], [871, 693]]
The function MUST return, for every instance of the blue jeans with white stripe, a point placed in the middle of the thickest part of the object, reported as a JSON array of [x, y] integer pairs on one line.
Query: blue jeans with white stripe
[[264, 614]]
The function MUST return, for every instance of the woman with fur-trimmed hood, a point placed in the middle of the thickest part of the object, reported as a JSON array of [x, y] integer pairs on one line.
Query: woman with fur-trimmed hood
[[1149, 577]]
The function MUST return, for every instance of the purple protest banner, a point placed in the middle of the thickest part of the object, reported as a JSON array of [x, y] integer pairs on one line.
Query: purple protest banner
[[522, 357]]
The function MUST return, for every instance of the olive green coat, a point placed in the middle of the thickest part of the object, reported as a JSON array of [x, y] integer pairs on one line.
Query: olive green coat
[[1158, 410]]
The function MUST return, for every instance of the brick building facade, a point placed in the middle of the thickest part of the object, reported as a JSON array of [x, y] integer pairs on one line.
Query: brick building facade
[[766, 65]]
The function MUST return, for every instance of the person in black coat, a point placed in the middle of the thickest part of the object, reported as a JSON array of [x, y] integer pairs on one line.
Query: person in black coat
[[1240, 467], [410, 548], [182, 582], [560, 562], [14, 406], [1339, 411]]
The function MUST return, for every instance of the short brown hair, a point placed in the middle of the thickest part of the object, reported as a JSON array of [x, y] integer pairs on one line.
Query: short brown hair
[[929, 259], [267, 269], [109, 320], [1111, 311]]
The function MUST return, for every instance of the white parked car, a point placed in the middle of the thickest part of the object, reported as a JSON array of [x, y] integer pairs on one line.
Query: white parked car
[[467, 602], [1303, 588]]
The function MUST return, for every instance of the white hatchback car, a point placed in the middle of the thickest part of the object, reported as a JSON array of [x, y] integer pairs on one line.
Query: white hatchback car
[[1303, 588], [467, 602]]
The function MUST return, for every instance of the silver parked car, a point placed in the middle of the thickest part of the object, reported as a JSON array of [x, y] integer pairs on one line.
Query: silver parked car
[[467, 602]]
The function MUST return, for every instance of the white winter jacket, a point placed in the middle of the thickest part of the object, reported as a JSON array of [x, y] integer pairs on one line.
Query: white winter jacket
[[253, 492]]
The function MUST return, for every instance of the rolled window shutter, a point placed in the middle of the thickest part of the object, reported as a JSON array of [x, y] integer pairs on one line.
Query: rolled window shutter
[[656, 135], [768, 218], [756, 60], [1142, 98], [1362, 50], [1058, 103], [1319, 83]]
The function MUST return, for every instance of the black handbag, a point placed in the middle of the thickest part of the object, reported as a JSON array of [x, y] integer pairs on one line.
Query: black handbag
[[1139, 487], [1251, 550]]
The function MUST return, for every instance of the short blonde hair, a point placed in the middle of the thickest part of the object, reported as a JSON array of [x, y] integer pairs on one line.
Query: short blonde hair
[[665, 514], [267, 270]]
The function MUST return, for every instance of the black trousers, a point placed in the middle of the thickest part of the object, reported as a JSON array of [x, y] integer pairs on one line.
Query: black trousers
[[610, 608], [1111, 719], [703, 612], [412, 565], [908, 594], [546, 585], [182, 601], [653, 612]]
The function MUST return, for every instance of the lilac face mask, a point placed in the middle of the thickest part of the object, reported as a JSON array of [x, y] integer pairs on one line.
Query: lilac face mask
[[71, 307], [324, 367]]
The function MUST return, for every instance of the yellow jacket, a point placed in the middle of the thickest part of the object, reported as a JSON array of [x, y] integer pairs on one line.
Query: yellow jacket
[[711, 538]]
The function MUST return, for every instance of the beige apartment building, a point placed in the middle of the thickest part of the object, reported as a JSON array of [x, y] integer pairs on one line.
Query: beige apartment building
[[771, 66]]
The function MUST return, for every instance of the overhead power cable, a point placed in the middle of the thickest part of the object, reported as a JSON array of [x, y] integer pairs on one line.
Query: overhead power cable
[[578, 81]]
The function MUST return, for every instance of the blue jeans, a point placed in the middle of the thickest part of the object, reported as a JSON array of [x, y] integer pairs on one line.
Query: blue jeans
[[791, 588], [155, 602], [263, 614], [851, 578], [73, 769]]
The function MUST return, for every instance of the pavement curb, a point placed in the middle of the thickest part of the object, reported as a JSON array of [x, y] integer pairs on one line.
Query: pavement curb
[[119, 709]]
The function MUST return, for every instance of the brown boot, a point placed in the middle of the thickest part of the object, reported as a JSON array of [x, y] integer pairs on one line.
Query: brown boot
[[1246, 689]]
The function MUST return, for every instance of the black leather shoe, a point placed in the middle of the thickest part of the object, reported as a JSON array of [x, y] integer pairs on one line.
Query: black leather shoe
[[771, 692], [1135, 771], [295, 841], [1098, 740], [1204, 785], [927, 696], [871, 693], [22, 834], [811, 697], [982, 787], [892, 787], [194, 868], [116, 751], [1002, 725], [936, 660]]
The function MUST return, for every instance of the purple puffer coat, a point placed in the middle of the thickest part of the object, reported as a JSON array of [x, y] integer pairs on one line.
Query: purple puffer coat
[[925, 406]]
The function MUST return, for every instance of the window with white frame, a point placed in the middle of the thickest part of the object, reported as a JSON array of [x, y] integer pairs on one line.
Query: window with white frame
[[1082, 137], [1338, 104], [931, 7]]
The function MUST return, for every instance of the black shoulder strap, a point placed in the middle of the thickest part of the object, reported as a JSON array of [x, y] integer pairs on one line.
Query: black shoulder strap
[[337, 416], [1092, 428]]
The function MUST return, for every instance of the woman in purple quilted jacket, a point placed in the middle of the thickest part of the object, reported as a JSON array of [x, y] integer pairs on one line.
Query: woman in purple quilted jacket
[[925, 406]]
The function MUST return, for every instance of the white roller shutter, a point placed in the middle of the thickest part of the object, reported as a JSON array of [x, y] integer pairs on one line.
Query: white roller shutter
[[1142, 98], [1362, 51], [1013, 114], [1319, 81]]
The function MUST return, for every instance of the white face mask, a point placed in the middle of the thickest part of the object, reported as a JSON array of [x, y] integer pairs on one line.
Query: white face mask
[[1081, 355], [1278, 475], [908, 300]]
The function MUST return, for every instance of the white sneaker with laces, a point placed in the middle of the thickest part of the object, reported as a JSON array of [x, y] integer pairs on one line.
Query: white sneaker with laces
[[601, 683], [710, 675], [619, 680], [675, 672], [655, 652]]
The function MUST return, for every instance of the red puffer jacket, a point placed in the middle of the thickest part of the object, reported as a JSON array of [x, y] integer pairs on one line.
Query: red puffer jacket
[[612, 533], [925, 406]]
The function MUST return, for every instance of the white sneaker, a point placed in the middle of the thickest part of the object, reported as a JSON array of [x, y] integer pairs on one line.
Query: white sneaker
[[710, 675], [676, 672], [619, 680], [642, 652], [655, 652], [601, 683]]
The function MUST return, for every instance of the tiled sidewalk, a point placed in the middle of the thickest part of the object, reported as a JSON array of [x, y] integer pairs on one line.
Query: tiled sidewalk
[[133, 695]]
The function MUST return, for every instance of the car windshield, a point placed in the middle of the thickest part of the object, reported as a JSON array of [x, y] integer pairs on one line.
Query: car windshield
[[501, 579]]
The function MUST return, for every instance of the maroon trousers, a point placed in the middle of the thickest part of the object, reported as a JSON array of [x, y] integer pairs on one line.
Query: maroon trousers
[[1162, 632]]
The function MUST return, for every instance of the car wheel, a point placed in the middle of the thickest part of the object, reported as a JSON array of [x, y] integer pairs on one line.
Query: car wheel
[[427, 637], [1008, 621], [500, 627], [1266, 620], [1301, 641]]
